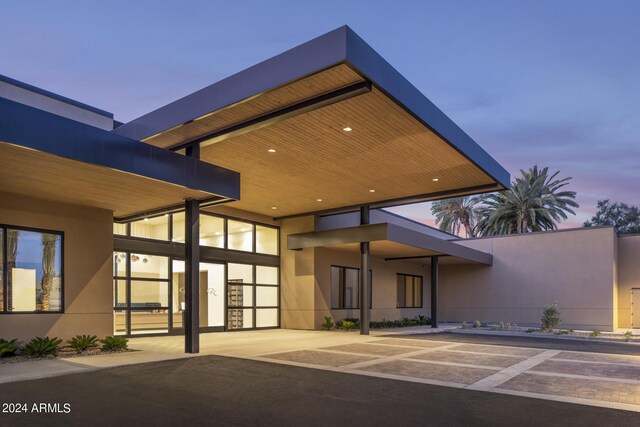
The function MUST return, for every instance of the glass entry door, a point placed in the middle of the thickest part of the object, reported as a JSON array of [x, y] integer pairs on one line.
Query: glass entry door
[[212, 295]]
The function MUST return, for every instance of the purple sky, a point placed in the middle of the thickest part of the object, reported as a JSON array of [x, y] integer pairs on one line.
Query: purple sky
[[555, 83]]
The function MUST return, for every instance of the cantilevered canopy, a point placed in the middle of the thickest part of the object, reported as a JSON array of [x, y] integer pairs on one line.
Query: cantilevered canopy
[[326, 125], [389, 241], [50, 157]]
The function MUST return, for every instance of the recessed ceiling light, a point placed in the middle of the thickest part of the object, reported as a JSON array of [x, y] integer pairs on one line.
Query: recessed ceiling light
[[274, 207], [347, 129], [435, 180], [271, 150], [318, 200], [146, 219], [372, 191], [166, 214]]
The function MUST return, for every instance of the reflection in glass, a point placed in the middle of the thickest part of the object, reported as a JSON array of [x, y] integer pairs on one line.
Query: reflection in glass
[[34, 264]]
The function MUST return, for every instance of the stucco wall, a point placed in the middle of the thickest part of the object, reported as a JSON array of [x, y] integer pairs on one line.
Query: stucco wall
[[628, 278], [383, 284], [297, 280], [573, 268], [88, 266]]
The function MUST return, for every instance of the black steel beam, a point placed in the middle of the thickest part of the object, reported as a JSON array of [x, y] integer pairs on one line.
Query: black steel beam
[[434, 292], [192, 277], [401, 258], [400, 201], [278, 115], [365, 279]]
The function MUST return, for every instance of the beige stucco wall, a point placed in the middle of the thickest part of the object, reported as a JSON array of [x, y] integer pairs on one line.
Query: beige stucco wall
[[628, 278], [574, 268], [88, 266], [297, 279], [383, 285]]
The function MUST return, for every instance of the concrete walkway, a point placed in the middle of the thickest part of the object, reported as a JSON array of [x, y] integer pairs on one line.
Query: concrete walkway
[[234, 344]]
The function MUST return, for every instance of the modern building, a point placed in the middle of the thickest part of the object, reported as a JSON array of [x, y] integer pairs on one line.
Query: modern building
[[257, 201]]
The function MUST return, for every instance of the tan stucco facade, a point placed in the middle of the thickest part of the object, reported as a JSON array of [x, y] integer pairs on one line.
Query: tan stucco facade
[[88, 268], [628, 279], [573, 268], [588, 272]]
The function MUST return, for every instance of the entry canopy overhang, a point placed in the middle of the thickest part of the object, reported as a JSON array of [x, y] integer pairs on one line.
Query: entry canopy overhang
[[389, 241], [50, 157], [347, 130]]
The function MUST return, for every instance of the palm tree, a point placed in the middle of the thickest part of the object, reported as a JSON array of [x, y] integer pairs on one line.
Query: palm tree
[[452, 214], [48, 267], [12, 253], [533, 203]]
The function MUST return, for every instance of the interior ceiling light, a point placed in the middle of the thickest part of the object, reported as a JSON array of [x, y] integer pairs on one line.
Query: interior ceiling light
[[146, 219], [435, 179], [372, 191], [318, 200], [271, 150], [347, 129], [274, 207]]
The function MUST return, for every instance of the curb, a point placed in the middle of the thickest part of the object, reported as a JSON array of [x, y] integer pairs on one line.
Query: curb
[[632, 341]]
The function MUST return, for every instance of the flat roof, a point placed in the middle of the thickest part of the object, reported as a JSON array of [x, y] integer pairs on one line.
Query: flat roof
[[55, 96], [47, 156], [389, 241], [326, 125]]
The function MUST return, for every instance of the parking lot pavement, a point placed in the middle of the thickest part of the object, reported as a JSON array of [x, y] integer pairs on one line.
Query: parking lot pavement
[[547, 369], [221, 391]]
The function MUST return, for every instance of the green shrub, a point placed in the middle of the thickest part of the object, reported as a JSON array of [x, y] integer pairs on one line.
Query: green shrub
[[628, 335], [114, 343], [562, 332], [477, 324], [594, 333], [464, 325], [550, 317], [42, 346], [8, 348], [328, 323], [82, 343], [531, 330], [348, 324]]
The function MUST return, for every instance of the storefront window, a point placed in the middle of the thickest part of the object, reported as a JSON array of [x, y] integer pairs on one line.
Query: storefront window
[[266, 240], [240, 236], [151, 228]]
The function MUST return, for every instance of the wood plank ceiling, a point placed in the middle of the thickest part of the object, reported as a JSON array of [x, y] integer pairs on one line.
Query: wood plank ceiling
[[316, 164], [50, 177]]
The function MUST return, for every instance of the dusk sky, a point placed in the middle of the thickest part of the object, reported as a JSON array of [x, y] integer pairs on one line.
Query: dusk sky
[[553, 83]]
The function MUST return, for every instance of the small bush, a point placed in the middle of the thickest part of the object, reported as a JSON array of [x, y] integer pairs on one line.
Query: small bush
[[114, 343], [82, 343], [628, 335], [562, 332], [42, 346], [550, 317], [348, 324], [477, 324], [464, 325], [328, 323], [594, 333], [531, 330], [8, 348]]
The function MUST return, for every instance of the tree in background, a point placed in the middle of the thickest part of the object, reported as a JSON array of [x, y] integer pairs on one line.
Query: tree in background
[[452, 214], [624, 218], [49, 242], [536, 201]]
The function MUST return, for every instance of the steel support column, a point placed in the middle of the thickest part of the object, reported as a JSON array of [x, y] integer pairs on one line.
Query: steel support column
[[365, 279], [192, 277], [434, 292]]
